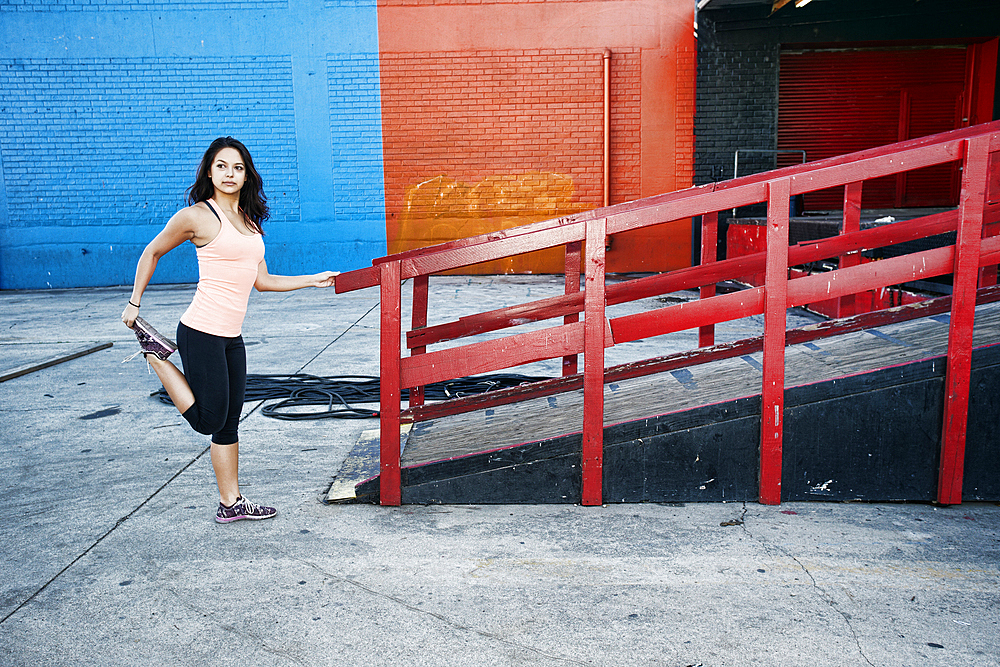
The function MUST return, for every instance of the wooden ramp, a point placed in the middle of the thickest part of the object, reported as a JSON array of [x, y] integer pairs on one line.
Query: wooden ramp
[[861, 415], [863, 421]]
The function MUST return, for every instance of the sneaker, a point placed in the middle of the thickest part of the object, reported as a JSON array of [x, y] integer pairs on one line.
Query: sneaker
[[152, 341], [243, 509]]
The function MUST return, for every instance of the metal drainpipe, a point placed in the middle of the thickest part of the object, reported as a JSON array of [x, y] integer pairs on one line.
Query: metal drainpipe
[[607, 127]]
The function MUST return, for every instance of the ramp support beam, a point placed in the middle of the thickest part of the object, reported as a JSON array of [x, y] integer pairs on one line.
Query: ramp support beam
[[772, 398], [594, 327], [389, 477], [963, 313]]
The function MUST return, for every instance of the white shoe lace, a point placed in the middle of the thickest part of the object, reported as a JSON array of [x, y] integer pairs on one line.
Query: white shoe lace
[[149, 369], [249, 507], [131, 357]]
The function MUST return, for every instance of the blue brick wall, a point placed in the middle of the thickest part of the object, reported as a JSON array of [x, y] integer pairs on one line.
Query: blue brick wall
[[116, 142], [341, 177], [355, 125], [135, 5], [104, 116]]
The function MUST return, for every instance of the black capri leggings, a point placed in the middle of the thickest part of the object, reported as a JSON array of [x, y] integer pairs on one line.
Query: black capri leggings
[[216, 370]]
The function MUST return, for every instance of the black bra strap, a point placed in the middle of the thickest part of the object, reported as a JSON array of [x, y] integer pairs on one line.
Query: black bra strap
[[212, 209]]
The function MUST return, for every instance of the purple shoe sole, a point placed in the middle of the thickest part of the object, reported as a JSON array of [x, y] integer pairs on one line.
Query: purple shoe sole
[[152, 341]]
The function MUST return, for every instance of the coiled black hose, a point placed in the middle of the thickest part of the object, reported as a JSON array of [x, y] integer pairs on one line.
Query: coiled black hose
[[338, 393]]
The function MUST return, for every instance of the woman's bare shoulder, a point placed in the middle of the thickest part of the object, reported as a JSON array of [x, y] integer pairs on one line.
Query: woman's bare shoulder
[[197, 221], [195, 212]]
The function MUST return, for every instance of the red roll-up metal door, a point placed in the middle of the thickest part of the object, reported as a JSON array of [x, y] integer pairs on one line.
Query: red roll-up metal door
[[833, 102]]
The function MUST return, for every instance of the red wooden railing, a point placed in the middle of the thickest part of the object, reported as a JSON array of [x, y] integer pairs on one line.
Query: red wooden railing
[[971, 260]]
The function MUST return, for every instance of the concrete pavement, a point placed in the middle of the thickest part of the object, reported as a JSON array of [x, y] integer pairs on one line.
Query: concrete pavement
[[111, 555]]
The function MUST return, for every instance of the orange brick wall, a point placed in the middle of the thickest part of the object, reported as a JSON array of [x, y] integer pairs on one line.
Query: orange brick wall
[[482, 115], [684, 109]]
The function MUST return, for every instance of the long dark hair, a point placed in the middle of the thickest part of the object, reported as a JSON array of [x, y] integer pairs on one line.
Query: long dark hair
[[252, 198]]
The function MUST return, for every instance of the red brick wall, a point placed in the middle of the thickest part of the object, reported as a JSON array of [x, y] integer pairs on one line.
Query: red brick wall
[[687, 63], [472, 116], [625, 125]]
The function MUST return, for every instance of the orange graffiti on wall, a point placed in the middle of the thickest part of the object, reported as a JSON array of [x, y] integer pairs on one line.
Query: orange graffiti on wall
[[443, 209]]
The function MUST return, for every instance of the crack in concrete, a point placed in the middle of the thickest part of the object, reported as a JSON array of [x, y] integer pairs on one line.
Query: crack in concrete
[[261, 643], [440, 617], [339, 336], [103, 537], [824, 594], [833, 605]]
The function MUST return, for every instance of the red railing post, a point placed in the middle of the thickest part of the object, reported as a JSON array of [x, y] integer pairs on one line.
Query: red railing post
[[709, 254], [988, 274], [594, 326], [419, 321], [573, 251], [389, 368], [971, 204], [852, 223], [772, 398]]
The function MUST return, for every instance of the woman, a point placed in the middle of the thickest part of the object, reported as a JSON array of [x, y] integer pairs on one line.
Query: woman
[[223, 220]]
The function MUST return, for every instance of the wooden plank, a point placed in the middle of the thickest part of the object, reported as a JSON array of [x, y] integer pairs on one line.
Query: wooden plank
[[488, 237], [813, 332], [801, 291], [875, 237], [389, 440], [472, 325], [688, 315], [348, 281], [775, 299], [890, 271], [988, 274], [492, 355], [517, 394], [69, 355], [871, 238], [593, 370], [709, 254], [963, 313], [993, 129], [498, 249], [892, 160], [697, 202]]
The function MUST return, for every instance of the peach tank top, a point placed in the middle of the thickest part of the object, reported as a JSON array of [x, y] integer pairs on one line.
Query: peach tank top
[[227, 270]]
